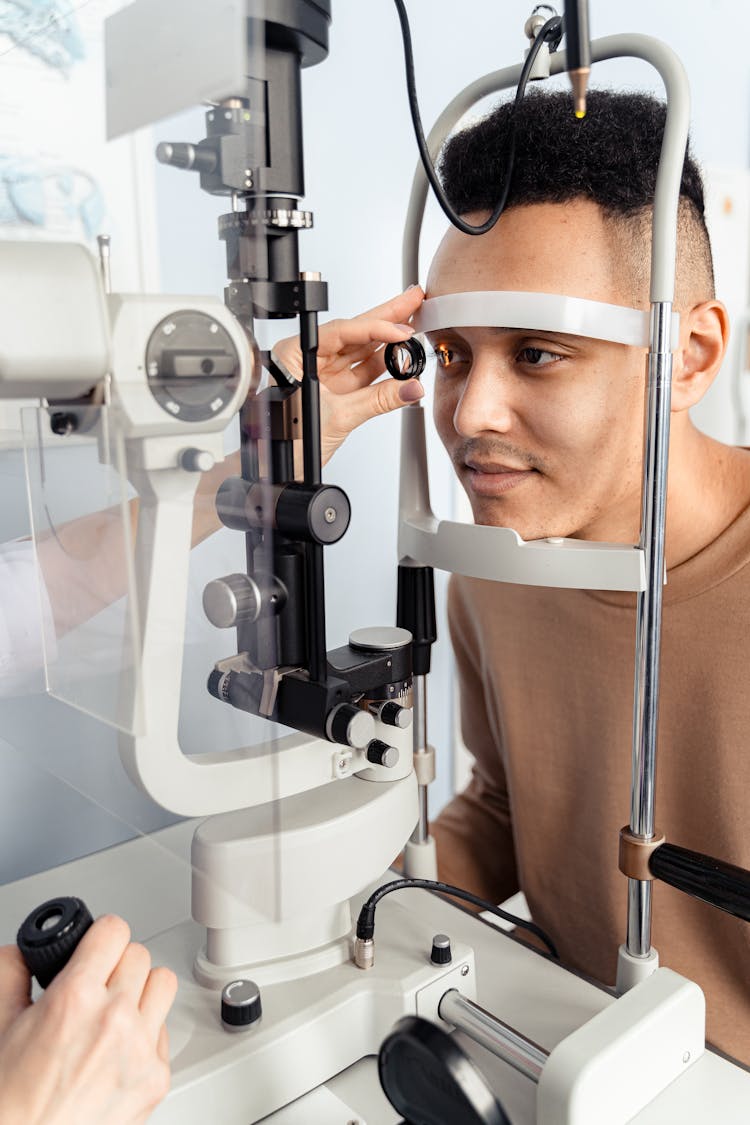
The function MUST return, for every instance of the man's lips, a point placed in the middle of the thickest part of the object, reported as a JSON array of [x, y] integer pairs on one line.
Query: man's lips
[[491, 478]]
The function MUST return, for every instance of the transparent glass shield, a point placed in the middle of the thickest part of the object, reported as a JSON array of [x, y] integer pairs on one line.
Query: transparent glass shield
[[83, 518], [174, 823]]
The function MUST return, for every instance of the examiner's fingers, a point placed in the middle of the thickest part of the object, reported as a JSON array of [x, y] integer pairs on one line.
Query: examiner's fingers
[[99, 950], [158, 997], [130, 974], [15, 985], [402, 306], [363, 374], [349, 335], [343, 413]]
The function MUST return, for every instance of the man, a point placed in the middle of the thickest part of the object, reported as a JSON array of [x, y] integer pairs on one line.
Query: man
[[545, 431]]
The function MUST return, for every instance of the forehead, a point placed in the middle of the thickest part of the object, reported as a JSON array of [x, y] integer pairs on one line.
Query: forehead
[[563, 248]]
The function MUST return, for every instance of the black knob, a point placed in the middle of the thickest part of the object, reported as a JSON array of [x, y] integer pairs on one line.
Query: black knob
[[381, 754], [394, 715], [350, 726], [49, 936], [240, 1004], [441, 950]]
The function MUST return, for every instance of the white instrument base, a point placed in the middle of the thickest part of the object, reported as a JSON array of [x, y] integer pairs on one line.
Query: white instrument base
[[148, 881]]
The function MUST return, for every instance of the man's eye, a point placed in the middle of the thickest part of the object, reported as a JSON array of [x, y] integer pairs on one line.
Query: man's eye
[[537, 357], [447, 357]]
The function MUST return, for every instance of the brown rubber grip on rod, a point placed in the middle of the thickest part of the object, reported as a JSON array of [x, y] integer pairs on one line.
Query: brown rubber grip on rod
[[635, 853]]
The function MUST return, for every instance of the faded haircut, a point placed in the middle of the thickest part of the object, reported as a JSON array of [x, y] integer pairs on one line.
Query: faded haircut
[[610, 157]]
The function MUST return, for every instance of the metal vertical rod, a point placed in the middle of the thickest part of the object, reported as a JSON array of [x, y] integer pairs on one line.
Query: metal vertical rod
[[308, 335], [315, 608], [648, 615], [421, 831]]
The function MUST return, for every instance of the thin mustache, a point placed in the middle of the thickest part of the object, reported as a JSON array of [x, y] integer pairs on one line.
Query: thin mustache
[[501, 452]]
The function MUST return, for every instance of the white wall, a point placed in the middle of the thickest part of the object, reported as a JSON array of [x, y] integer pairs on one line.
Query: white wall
[[359, 157]]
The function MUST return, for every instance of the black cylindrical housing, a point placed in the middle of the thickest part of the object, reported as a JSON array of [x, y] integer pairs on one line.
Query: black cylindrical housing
[[577, 40], [320, 514], [416, 612], [289, 567], [720, 884]]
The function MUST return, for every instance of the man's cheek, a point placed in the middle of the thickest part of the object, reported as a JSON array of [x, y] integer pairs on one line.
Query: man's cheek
[[443, 409]]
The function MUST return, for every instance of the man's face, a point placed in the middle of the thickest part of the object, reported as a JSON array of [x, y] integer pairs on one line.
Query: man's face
[[545, 430]]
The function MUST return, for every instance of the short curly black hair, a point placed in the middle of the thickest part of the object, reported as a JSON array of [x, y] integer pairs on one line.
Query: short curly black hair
[[611, 157]]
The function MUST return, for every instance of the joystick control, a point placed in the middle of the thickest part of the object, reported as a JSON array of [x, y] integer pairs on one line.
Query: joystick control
[[49, 936]]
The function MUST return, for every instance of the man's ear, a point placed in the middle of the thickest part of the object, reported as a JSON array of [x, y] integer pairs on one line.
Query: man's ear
[[704, 335]]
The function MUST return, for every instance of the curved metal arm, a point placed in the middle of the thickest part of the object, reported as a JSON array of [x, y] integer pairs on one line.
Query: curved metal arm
[[415, 508], [666, 197]]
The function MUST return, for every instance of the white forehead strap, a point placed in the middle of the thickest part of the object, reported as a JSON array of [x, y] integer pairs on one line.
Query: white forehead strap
[[544, 312]]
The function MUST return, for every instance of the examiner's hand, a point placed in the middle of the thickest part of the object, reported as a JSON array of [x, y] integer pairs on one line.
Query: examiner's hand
[[350, 359], [93, 1049]]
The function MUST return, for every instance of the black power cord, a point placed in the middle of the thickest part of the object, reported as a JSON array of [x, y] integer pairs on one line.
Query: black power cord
[[550, 32], [366, 919]]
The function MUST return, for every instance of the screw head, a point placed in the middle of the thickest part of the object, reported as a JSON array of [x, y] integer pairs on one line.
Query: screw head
[[329, 515], [464, 970], [686, 1057]]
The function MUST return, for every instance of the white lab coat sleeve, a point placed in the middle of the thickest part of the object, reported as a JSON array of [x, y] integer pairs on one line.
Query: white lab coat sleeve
[[26, 620]]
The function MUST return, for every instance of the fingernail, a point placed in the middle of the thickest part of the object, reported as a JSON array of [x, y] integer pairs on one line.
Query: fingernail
[[414, 285], [406, 328], [411, 391]]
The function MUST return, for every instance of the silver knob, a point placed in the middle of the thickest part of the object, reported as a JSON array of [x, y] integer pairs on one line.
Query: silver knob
[[380, 637], [231, 600]]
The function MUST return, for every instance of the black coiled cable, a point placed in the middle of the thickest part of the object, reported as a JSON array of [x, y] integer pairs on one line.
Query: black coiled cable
[[550, 32], [366, 919]]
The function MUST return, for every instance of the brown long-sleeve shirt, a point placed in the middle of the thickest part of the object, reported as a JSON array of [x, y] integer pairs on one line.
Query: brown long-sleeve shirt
[[546, 681]]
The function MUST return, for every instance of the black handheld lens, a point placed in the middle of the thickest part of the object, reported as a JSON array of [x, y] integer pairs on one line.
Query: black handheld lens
[[405, 360]]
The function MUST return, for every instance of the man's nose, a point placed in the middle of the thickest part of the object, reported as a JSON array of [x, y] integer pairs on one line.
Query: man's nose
[[486, 401]]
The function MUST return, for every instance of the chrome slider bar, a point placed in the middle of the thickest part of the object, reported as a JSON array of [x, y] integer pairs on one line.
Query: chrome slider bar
[[490, 1032]]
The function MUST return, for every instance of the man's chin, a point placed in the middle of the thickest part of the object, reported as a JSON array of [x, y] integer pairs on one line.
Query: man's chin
[[528, 530]]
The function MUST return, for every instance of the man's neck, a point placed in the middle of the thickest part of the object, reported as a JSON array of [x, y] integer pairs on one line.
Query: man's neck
[[709, 485]]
